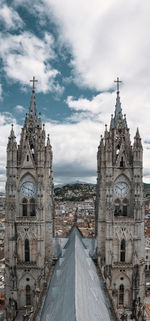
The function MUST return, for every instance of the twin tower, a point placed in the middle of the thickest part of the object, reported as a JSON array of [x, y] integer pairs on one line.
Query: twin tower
[[30, 214]]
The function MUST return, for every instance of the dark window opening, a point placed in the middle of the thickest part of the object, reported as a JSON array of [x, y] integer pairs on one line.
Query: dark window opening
[[28, 295], [32, 150], [117, 150], [117, 208], [122, 251], [24, 207], [121, 162], [121, 294], [125, 207], [125, 210], [27, 251], [27, 158], [32, 207]]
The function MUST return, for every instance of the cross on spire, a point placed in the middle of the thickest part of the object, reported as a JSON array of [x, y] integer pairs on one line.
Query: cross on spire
[[33, 80], [117, 81]]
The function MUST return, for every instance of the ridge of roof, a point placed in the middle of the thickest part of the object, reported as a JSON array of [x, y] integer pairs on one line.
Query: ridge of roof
[[75, 291]]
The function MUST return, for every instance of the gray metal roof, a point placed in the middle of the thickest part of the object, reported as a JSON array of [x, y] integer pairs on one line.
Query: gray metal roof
[[76, 292], [59, 243]]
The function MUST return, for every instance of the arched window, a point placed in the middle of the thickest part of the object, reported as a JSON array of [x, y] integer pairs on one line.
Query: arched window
[[27, 251], [28, 295], [24, 207], [125, 207], [32, 150], [121, 162], [117, 208], [121, 294], [32, 207], [122, 251], [117, 150]]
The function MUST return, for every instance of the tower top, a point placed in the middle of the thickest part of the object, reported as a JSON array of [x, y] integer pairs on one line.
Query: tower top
[[32, 109], [118, 110], [33, 81], [118, 82]]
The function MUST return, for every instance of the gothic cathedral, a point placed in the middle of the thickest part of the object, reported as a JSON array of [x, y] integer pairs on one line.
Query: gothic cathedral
[[29, 213], [120, 214]]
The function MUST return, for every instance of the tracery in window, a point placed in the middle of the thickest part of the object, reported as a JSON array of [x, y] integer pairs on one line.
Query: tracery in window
[[27, 250], [24, 207], [32, 207], [121, 294], [122, 251], [28, 295]]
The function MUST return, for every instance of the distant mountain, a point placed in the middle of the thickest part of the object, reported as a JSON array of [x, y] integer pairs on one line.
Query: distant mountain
[[73, 183], [146, 185], [75, 192]]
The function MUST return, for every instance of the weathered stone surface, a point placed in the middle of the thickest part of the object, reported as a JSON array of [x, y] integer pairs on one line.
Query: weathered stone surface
[[120, 212], [29, 214]]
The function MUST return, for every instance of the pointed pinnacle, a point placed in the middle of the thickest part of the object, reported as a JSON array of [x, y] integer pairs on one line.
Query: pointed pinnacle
[[32, 108], [12, 134], [48, 140], [137, 135]]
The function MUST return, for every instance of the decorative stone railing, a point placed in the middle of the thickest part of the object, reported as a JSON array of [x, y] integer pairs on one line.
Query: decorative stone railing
[[27, 264], [25, 218], [122, 264]]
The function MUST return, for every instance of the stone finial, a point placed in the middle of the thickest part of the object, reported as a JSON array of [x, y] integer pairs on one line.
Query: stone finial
[[48, 140], [32, 108]]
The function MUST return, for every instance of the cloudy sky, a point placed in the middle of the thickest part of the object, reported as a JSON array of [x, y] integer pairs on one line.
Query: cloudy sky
[[75, 48]]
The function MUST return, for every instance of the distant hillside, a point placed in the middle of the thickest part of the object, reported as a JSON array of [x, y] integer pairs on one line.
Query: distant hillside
[[146, 185], [75, 192]]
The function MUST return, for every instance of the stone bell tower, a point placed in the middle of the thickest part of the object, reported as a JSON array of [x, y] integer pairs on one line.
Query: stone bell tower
[[29, 214], [120, 215]]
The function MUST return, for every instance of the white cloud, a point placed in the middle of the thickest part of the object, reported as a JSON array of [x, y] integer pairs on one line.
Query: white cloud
[[19, 108], [102, 106], [25, 55], [106, 39], [99, 103], [75, 144], [74, 148], [9, 17]]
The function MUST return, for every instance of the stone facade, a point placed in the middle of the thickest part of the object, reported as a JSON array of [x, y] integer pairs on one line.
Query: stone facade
[[29, 214], [120, 215]]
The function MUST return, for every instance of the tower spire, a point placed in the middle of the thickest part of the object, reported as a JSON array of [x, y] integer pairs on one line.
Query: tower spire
[[118, 109], [118, 81], [32, 108]]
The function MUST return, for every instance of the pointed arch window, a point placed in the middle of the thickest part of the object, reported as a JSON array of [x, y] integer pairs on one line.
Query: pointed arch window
[[28, 295], [121, 162], [24, 207], [121, 294], [122, 251], [32, 207], [117, 207], [125, 207], [27, 250], [32, 150], [117, 150]]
